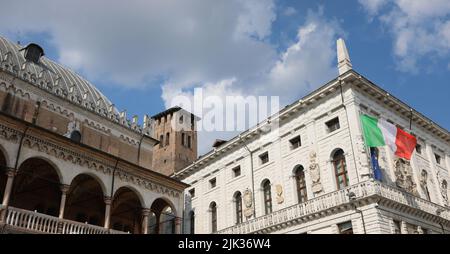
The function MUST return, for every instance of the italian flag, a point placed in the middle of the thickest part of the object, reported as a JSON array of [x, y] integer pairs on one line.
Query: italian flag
[[378, 132]]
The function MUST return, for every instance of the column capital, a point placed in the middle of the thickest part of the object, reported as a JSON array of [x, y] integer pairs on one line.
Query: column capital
[[64, 188], [145, 211], [108, 200], [10, 172]]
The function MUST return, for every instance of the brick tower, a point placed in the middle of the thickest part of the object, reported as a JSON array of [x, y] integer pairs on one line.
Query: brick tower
[[176, 130]]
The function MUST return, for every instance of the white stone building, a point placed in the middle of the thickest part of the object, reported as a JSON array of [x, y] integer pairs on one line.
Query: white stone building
[[313, 174]]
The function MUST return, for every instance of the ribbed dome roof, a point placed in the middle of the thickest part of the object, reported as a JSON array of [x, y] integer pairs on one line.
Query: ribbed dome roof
[[54, 78]]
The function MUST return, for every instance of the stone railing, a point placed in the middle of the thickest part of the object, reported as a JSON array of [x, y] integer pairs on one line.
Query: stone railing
[[40, 223], [332, 200]]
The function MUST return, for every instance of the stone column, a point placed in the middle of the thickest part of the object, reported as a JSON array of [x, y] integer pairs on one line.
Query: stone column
[[145, 214], [403, 228], [9, 184], [64, 189], [177, 225], [8, 188], [107, 211]]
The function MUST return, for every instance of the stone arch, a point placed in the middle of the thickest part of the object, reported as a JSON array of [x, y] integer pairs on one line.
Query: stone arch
[[165, 215], [126, 210], [3, 167], [105, 190], [37, 186], [86, 200], [55, 166]]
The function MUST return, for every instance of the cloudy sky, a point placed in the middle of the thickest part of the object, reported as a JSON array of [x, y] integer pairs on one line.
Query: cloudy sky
[[141, 54]]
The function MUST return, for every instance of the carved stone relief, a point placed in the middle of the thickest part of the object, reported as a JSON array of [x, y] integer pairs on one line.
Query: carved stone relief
[[248, 202], [279, 191], [403, 175], [314, 172], [443, 186]]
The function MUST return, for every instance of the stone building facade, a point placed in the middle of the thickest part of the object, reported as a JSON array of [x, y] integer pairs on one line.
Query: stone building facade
[[70, 161], [313, 173]]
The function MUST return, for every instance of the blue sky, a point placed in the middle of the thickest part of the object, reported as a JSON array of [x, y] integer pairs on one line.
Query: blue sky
[[140, 55]]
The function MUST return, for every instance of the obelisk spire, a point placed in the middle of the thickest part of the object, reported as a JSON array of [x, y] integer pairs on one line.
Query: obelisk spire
[[344, 63]]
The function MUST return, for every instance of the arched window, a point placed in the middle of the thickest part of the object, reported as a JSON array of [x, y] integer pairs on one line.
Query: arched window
[[192, 221], [267, 197], [340, 169], [238, 208], [213, 210], [75, 136], [167, 138], [299, 174]]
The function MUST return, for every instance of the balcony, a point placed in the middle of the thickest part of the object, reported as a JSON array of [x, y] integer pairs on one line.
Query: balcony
[[19, 220], [337, 200]]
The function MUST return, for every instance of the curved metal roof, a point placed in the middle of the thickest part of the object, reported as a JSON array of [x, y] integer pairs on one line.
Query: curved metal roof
[[54, 78]]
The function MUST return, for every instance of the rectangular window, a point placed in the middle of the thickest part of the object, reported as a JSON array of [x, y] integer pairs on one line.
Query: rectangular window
[[419, 149], [333, 125], [192, 192], [345, 228], [397, 226], [264, 158], [189, 141], [295, 142], [161, 141], [237, 171], [212, 183], [438, 158], [183, 137]]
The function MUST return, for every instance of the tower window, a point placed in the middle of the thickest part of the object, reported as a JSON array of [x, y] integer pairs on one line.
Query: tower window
[[161, 140], [189, 141], [333, 125], [183, 137], [167, 138]]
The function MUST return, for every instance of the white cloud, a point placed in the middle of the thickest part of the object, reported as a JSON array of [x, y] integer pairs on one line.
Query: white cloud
[[132, 43], [421, 29], [221, 46], [289, 11], [373, 6], [306, 64]]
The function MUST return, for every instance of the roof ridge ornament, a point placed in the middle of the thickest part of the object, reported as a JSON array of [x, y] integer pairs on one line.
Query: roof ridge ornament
[[344, 63]]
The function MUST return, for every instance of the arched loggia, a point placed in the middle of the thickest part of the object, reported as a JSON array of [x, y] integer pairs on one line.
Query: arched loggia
[[164, 217], [126, 211], [3, 177], [37, 187], [85, 201]]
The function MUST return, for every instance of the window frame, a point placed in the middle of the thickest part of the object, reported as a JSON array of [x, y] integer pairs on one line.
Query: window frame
[[336, 160], [332, 123]]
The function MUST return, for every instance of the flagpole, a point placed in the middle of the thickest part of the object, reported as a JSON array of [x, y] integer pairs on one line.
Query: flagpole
[[366, 147]]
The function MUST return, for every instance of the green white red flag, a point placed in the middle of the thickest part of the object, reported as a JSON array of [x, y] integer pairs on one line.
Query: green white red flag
[[378, 132]]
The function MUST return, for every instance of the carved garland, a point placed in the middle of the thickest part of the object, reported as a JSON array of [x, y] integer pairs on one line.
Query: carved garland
[[80, 159]]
